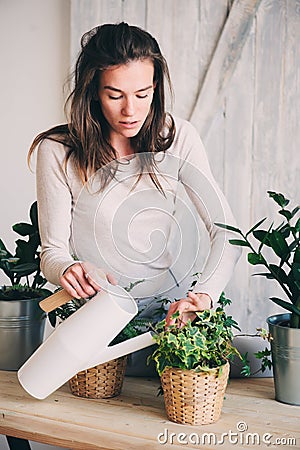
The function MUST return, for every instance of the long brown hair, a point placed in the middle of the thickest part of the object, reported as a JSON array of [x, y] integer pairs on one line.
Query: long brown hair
[[86, 134]]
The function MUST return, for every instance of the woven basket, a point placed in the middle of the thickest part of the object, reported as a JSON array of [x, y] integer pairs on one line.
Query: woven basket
[[102, 381], [194, 398]]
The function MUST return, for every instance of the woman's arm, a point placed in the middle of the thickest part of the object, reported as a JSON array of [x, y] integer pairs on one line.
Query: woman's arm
[[54, 200], [211, 205]]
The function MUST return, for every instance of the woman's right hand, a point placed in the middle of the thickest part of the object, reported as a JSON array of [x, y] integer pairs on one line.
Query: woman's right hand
[[79, 283]]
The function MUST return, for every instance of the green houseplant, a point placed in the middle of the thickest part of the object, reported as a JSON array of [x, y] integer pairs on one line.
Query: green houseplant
[[20, 297], [280, 243], [192, 361]]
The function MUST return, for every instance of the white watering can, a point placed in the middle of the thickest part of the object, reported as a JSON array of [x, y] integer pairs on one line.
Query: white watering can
[[82, 340]]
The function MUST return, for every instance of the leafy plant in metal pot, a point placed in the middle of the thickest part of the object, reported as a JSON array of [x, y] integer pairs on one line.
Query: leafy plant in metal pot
[[24, 263], [19, 299], [283, 243]]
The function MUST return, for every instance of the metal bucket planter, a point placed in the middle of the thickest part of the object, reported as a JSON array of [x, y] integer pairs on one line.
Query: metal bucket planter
[[22, 324], [285, 347]]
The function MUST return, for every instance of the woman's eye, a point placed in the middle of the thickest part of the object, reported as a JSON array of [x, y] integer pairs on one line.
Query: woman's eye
[[142, 96], [115, 98]]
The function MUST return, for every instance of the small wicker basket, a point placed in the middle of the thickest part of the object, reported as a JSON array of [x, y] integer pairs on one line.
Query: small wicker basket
[[194, 398], [102, 381]]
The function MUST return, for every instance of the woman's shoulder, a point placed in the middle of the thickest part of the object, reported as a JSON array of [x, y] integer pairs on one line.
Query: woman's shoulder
[[186, 136], [54, 142], [51, 150]]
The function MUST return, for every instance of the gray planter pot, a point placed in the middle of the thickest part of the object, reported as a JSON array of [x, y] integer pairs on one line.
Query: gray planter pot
[[22, 324], [285, 348]]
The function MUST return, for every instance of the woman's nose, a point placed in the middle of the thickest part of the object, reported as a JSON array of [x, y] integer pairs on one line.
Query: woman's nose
[[128, 107]]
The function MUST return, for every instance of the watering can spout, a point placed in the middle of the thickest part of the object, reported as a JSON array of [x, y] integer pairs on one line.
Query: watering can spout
[[123, 348]]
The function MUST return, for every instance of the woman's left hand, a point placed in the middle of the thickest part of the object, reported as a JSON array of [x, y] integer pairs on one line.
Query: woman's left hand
[[187, 308]]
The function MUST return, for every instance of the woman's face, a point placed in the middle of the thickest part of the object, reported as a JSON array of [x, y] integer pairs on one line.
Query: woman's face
[[125, 94]]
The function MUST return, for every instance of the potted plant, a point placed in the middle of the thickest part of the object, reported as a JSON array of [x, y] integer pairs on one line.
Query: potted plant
[[193, 363], [22, 321], [277, 249]]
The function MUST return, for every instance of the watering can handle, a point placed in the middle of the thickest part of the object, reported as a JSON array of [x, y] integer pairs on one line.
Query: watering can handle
[[61, 297], [55, 300]]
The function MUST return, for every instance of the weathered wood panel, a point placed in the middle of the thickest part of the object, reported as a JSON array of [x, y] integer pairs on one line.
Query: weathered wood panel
[[267, 171], [223, 63], [254, 138], [86, 14], [237, 149]]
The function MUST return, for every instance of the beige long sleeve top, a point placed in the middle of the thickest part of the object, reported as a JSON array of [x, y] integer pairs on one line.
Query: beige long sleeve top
[[132, 230]]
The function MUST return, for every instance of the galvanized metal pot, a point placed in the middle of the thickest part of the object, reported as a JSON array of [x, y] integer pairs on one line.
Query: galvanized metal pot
[[285, 348], [22, 324]]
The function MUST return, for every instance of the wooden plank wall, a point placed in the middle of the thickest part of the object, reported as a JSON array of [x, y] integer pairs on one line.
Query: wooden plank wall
[[253, 141]]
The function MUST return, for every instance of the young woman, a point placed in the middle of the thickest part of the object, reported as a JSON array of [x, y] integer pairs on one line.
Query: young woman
[[122, 185]]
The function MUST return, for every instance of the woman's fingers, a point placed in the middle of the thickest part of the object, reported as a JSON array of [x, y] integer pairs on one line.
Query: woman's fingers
[[111, 279], [201, 301], [187, 308], [79, 282], [75, 282]]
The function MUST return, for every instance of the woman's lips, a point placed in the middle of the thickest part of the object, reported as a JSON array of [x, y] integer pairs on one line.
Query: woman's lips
[[129, 124]]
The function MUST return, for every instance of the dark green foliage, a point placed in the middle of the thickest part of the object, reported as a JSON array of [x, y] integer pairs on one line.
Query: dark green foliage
[[24, 262], [284, 242]]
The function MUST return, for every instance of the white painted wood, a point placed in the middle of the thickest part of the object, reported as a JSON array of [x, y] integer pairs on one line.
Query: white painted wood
[[290, 142], [238, 114], [267, 168], [222, 65], [86, 14]]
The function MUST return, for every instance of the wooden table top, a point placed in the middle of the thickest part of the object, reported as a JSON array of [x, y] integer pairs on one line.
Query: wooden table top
[[251, 418]]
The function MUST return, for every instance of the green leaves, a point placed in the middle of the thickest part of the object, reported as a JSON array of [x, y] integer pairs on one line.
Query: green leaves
[[255, 227], [278, 244], [278, 198], [282, 242], [255, 258], [24, 229], [228, 227], [289, 306], [264, 356], [239, 242], [26, 260], [201, 345]]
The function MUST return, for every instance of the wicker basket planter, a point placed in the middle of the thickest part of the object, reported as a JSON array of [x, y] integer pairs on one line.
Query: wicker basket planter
[[194, 398], [102, 381]]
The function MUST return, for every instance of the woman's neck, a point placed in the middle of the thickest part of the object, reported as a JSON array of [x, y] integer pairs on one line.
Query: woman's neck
[[123, 147]]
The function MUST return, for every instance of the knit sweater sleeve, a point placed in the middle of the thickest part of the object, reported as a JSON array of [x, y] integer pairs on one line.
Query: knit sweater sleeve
[[212, 207], [54, 199]]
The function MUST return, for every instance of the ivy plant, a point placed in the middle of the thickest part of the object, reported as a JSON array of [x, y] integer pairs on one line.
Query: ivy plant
[[284, 242], [202, 344], [24, 263]]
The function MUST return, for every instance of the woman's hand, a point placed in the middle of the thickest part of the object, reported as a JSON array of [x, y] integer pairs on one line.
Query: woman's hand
[[79, 283], [187, 308]]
